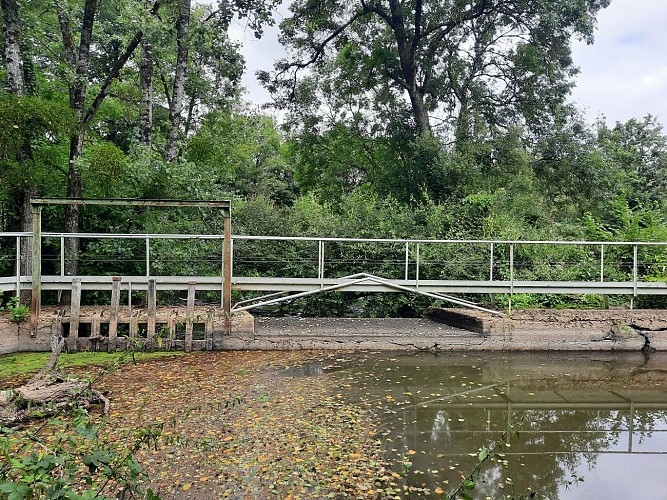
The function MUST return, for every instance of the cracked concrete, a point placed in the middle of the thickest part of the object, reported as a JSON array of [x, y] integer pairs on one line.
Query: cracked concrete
[[562, 330], [443, 330]]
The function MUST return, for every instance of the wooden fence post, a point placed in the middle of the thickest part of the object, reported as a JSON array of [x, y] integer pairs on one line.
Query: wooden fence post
[[152, 306], [113, 318], [75, 308], [190, 314]]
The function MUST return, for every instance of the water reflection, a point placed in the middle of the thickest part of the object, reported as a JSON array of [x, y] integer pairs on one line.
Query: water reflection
[[602, 417]]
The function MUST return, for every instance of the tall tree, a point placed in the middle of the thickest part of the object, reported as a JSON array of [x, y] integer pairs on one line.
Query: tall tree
[[500, 61], [178, 92], [146, 67], [205, 59], [78, 61], [18, 87]]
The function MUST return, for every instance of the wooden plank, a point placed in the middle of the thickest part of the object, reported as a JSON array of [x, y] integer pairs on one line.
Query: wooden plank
[[209, 332], [74, 313], [190, 316], [113, 318], [152, 306]]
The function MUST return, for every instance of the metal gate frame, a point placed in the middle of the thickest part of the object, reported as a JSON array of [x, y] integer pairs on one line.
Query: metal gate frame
[[38, 203]]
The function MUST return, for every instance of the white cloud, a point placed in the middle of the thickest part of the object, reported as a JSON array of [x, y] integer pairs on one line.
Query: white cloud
[[624, 73]]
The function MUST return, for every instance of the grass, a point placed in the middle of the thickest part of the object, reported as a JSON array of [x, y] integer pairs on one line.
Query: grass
[[25, 363]]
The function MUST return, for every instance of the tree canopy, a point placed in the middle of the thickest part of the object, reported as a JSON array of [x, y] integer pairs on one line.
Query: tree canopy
[[468, 64]]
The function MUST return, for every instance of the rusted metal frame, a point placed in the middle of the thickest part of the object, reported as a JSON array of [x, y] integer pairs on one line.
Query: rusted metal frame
[[227, 276], [36, 297], [38, 203], [132, 202]]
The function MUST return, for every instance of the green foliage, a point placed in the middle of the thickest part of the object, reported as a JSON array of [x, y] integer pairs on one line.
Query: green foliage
[[26, 363], [15, 311], [77, 463]]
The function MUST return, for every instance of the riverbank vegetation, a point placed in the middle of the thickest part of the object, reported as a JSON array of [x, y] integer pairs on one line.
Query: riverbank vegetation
[[386, 124]]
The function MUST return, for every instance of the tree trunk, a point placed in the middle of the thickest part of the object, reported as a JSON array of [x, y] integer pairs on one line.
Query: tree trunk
[[16, 77], [77, 98], [13, 59], [146, 83], [72, 212], [178, 94], [419, 113], [463, 132]]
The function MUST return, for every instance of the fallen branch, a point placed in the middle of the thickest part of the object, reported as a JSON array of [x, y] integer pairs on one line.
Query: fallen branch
[[47, 393]]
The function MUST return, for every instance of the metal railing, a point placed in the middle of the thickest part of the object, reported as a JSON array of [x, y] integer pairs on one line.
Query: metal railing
[[506, 266]]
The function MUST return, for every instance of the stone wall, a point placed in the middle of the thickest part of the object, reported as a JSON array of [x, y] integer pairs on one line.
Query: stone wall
[[565, 330]]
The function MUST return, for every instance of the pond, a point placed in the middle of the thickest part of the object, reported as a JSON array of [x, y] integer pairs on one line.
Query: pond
[[579, 425]]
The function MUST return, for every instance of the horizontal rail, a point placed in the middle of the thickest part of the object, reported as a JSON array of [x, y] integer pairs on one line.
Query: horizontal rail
[[306, 284], [239, 237], [320, 268]]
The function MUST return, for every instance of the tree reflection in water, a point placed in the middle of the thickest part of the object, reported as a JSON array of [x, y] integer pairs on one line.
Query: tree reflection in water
[[570, 410]]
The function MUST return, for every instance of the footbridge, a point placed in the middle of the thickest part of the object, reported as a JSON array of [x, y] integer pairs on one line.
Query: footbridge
[[260, 270]]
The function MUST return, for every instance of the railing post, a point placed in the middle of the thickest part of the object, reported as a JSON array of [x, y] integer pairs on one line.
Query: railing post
[[511, 276], [601, 263], [62, 256], [407, 260], [148, 256], [491, 264], [634, 270], [231, 266], [227, 268], [18, 266], [151, 297], [320, 264], [417, 256], [36, 299]]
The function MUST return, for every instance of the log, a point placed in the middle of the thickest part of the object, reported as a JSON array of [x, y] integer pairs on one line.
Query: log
[[47, 393]]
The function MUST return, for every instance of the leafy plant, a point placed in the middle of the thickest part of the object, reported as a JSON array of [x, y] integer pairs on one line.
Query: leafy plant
[[17, 313]]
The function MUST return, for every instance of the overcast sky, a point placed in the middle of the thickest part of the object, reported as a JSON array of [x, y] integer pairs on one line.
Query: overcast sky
[[623, 74]]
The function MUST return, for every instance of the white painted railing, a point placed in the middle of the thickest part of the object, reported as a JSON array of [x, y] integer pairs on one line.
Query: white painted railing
[[410, 261]]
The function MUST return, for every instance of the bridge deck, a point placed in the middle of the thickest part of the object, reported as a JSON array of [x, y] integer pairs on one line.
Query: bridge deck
[[271, 284]]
